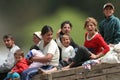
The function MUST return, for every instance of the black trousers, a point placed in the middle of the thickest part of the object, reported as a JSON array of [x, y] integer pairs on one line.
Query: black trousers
[[81, 56], [3, 75]]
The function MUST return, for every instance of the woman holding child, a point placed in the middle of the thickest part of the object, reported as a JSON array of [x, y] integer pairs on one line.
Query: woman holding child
[[49, 48]]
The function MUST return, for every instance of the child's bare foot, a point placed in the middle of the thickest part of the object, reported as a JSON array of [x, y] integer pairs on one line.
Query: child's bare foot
[[41, 71], [65, 68]]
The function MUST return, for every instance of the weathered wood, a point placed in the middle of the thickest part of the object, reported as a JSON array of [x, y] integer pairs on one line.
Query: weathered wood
[[98, 72]]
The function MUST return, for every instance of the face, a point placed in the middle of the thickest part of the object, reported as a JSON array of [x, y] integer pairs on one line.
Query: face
[[66, 41], [18, 57], [36, 40], [47, 37], [66, 29], [108, 11], [8, 42], [90, 27]]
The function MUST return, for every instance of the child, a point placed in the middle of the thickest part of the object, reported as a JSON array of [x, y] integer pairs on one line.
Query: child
[[110, 26], [35, 51], [21, 64], [68, 53]]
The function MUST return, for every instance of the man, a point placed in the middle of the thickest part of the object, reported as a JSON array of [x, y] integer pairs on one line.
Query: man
[[10, 61], [110, 27]]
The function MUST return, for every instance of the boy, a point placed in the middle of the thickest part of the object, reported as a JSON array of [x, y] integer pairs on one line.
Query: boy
[[110, 27]]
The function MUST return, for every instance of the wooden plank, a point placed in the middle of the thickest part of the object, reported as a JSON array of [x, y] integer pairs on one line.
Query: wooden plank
[[113, 76], [98, 72], [97, 78]]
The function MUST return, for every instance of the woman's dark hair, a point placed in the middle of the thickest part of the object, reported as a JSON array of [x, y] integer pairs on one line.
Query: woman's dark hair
[[66, 22], [46, 29]]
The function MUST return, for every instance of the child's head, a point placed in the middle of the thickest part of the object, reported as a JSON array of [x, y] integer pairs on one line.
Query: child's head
[[66, 40], [19, 54], [108, 9], [90, 24]]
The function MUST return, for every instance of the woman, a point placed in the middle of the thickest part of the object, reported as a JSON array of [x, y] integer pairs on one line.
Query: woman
[[95, 44], [66, 28], [49, 48]]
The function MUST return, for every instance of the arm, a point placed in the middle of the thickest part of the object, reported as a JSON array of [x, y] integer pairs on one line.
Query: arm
[[45, 59], [116, 35], [50, 51], [104, 48], [72, 52]]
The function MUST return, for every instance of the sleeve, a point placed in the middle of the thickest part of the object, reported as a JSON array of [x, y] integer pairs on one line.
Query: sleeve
[[52, 47], [20, 67], [59, 42], [72, 52], [103, 44], [101, 29], [117, 32]]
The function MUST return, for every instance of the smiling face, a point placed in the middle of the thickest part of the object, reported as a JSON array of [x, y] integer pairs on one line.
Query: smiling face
[[36, 40], [108, 11], [47, 37], [65, 40], [66, 29]]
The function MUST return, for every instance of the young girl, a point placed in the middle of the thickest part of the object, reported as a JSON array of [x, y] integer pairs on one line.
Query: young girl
[[68, 51], [94, 42], [21, 64]]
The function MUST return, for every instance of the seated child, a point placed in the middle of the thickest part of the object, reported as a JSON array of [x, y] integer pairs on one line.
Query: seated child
[[21, 65], [68, 51], [35, 51]]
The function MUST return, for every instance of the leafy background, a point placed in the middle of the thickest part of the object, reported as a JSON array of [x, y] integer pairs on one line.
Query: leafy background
[[23, 17]]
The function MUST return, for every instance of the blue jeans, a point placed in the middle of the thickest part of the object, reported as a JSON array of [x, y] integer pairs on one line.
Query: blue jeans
[[12, 76], [30, 72]]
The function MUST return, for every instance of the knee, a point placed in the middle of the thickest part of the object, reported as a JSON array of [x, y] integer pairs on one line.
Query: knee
[[15, 75], [23, 73]]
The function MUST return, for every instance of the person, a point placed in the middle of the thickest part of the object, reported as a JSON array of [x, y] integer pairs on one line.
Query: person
[[68, 51], [21, 64], [9, 62], [66, 27], [35, 51], [94, 42], [49, 48], [36, 39], [94, 46], [109, 28]]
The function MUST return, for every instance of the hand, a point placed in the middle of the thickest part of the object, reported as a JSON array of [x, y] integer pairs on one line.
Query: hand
[[66, 59], [111, 45], [11, 71], [93, 56], [58, 33]]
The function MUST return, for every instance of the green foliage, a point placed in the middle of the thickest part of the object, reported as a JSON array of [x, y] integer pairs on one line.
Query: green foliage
[[55, 20]]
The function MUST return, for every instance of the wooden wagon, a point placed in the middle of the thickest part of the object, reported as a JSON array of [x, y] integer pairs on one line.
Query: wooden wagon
[[102, 71]]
